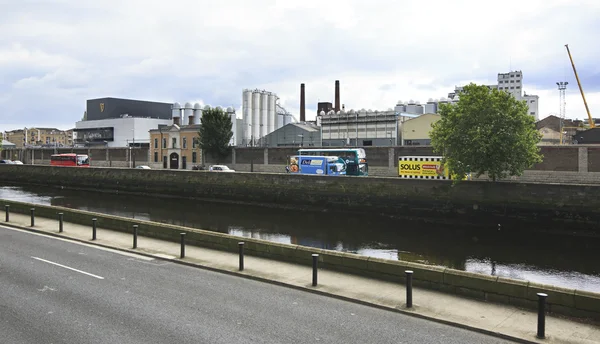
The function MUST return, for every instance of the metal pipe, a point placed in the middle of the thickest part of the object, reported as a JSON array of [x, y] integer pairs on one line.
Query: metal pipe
[[7, 210], [182, 253], [32, 217], [135, 235], [94, 221]]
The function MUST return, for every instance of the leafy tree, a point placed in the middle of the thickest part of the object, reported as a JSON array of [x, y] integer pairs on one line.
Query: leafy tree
[[487, 131], [215, 133]]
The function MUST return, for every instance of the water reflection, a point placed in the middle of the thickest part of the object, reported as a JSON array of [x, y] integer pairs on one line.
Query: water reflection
[[564, 261]]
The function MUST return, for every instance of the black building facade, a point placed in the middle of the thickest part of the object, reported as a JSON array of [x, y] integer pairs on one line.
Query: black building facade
[[105, 108]]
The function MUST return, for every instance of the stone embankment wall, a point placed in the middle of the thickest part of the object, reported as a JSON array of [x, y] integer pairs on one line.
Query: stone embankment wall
[[484, 287], [512, 206]]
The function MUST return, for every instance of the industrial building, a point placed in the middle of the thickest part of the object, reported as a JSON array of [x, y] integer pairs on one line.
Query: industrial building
[[416, 131], [113, 122], [294, 135]]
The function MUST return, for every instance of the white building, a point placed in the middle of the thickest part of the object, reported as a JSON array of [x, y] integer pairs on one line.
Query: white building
[[512, 82], [116, 132]]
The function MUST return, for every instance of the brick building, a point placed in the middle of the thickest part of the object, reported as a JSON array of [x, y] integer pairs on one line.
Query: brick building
[[175, 147]]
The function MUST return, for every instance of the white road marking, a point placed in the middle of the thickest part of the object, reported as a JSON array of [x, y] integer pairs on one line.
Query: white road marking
[[128, 254], [67, 267]]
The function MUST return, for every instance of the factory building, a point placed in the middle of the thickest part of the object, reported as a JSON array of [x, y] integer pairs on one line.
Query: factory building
[[113, 122], [302, 134]]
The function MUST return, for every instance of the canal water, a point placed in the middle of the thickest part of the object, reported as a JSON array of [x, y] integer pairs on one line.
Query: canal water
[[558, 260]]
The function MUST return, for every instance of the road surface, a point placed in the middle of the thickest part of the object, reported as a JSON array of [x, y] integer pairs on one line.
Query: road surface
[[55, 291]]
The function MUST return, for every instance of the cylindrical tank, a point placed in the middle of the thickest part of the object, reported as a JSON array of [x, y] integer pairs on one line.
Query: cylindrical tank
[[272, 120], [188, 114], [287, 119], [264, 113], [231, 113], [255, 123], [176, 113], [247, 115], [197, 113]]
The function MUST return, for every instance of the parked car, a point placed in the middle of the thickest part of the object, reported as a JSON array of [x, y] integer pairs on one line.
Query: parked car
[[220, 168], [6, 162], [143, 167], [17, 162]]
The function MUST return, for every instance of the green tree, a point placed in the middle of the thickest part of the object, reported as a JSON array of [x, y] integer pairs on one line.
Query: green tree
[[215, 133], [487, 132]]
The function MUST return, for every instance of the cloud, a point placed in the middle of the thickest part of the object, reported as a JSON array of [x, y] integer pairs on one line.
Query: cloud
[[54, 56]]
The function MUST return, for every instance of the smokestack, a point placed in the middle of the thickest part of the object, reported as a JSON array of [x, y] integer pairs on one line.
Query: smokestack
[[302, 104], [337, 96]]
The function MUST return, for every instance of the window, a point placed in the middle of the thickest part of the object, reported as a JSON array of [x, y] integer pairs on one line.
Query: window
[[532, 113], [512, 81], [512, 87], [532, 101], [174, 142], [194, 157], [194, 142], [155, 156], [518, 87], [518, 75], [164, 145], [155, 143], [184, 143]]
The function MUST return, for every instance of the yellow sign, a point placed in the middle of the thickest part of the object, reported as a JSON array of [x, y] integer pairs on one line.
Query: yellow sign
[[101, 107], [422, 169]]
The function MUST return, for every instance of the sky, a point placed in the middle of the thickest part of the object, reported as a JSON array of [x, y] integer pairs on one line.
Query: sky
[[56, 54]]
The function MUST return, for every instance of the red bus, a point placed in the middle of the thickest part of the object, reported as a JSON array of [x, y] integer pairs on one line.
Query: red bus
[[70, 159]]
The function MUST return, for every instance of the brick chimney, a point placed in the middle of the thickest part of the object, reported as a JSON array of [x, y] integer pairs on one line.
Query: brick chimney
[[337, 96], [302, 104]]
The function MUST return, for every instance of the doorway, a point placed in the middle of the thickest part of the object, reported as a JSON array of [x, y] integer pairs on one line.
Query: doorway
[[174, 161]]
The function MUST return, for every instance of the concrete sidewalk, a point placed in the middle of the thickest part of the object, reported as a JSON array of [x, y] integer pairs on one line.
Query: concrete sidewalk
[[505, 321]]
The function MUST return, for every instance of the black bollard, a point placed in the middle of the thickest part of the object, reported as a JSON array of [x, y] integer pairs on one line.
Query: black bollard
[[409, 275], [241, 250], [135, 233], [60, 222], [32, 217], [94, 220], [541, 330], [315, 263], [182, 254], [7, 209]]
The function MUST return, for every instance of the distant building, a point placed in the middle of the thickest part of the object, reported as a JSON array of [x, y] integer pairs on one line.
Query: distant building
[[415, 131], [107, 108], [551, 127], [39, 137], [511, 82]]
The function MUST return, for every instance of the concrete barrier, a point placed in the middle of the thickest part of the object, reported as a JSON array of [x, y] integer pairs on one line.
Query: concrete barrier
[[484, 287]]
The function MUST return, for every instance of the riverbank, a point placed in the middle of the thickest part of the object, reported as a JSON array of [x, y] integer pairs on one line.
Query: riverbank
[[497, 206]]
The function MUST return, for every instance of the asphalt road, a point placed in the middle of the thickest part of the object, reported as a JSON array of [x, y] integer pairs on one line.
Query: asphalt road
[[54, 291]]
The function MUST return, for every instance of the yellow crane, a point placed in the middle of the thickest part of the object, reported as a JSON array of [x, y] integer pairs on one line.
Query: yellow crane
[[592, 124]]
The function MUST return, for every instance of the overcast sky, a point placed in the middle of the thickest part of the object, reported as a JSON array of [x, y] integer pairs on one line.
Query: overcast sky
[[55, 54]]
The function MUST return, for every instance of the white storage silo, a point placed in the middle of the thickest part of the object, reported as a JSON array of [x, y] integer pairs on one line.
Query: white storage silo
[[264, 113], [197, 113], [231, 113], [188, 114], [176, 113], [255, 123], [247, 115], [272, 115]]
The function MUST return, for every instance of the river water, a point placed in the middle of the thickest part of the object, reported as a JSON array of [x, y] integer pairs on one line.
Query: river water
[[557, 260]]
